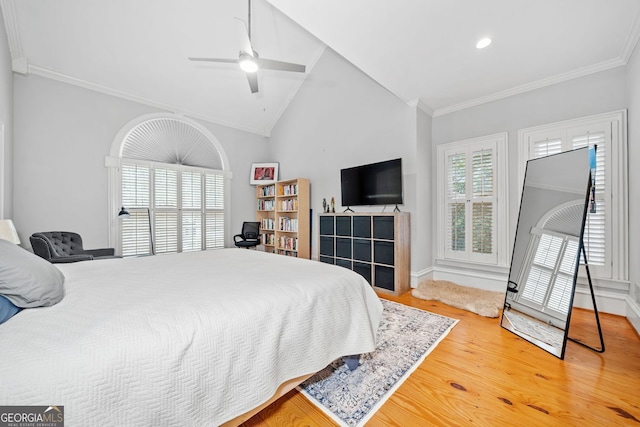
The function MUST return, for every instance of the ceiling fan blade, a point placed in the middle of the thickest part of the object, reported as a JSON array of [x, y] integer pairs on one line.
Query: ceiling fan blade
[[243, 36], [253, 81], [271, 64], [231, 61]]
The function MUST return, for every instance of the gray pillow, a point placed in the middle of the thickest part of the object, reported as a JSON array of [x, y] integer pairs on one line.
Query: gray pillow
[[28, 280]]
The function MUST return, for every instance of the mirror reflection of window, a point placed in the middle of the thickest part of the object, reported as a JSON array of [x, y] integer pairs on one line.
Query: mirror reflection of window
[[594, 232], [549, 282]]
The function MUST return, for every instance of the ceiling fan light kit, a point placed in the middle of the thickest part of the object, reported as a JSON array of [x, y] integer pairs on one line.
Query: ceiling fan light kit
[[248, 58], [248, 63]]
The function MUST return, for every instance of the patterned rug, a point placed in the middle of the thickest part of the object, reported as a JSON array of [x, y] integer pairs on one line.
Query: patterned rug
[[405, 337]]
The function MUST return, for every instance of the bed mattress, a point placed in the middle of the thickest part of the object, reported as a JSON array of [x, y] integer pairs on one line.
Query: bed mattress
[[183, 339]]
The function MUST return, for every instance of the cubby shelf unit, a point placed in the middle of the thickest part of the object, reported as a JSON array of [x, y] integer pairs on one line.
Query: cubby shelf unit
[[375, 245]]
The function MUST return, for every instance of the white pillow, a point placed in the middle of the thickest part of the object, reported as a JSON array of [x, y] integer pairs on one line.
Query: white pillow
[[28, 280]]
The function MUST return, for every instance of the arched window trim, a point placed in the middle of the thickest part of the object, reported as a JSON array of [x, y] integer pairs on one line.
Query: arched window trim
[[114, 161], [118, 142]]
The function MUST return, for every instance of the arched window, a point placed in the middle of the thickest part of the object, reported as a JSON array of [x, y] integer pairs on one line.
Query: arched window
[[169, 173]]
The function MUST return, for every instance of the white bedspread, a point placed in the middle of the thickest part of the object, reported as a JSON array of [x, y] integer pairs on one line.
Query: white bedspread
[[184, 339]]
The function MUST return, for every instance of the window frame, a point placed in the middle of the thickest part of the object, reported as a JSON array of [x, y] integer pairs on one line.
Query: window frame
[[499, 143], [153, 166], [615, 268], [113, 161]]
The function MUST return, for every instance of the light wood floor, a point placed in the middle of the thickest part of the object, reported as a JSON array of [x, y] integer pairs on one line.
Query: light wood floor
[[483, 375]]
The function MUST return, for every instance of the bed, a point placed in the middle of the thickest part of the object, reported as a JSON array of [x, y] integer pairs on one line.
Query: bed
[[200, 338]]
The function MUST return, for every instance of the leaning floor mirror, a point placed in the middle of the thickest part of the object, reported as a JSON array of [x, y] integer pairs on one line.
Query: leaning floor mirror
[[546, 251]]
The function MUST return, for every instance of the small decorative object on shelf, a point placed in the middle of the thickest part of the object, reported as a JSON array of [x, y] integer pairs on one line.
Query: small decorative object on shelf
[[333, 205], [324, 204]]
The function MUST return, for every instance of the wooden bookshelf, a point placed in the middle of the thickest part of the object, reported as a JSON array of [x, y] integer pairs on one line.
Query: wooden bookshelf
[[283, 212]]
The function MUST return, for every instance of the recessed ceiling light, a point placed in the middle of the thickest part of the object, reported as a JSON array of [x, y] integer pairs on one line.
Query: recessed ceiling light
[[482, 43]]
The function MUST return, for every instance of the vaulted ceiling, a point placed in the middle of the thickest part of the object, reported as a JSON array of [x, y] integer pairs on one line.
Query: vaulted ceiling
[[423, 51]]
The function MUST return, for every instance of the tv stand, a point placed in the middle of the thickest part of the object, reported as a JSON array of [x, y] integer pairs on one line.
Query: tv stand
[[396, 209], [375, 245], [347, 210]]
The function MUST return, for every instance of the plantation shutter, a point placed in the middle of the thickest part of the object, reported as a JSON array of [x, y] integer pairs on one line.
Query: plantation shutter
[[470, 232], [135, 197], [596, 224], [547, 147], [456, 204], [214, 211], [186, 207], [191, 212], [165, 214], [482, 202]]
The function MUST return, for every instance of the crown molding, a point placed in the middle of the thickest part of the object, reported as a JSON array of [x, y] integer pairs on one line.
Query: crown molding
[[632, 40], [20, 66], [422, 106], [13, 29], [538, 84], [64, 78]]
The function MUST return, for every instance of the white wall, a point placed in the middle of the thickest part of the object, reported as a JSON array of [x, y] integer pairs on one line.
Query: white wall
[[422, 221], [62, 135], [342, 118], [6, 122], [597, 93], [633, 90]]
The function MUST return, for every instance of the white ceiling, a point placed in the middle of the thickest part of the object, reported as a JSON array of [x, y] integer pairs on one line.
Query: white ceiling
[[423, 51]]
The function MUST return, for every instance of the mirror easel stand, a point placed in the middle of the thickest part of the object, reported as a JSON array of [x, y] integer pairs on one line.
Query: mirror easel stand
[[595, 308]]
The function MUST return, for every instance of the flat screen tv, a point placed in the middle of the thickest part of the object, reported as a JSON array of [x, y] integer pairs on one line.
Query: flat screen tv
[[372, 184]]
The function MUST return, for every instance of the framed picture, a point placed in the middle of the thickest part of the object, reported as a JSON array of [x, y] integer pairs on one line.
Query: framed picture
[[263, 173]]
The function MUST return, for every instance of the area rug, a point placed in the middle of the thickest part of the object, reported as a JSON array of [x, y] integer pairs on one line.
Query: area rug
[[479, 301], [405, 337]]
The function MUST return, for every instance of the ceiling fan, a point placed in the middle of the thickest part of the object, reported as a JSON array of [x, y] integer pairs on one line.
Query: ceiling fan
[[249, 60]]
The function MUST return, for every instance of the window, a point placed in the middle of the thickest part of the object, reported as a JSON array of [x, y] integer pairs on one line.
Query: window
[[169, 173], [186, 209], [471, 191], [605, 229]]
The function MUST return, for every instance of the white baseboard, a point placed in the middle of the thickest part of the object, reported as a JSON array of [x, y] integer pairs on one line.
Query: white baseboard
[[418, 277], [633, 313], [608, 301], [473, 278]]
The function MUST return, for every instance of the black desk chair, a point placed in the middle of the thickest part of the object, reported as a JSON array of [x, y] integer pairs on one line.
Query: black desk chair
[[250, 235]]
